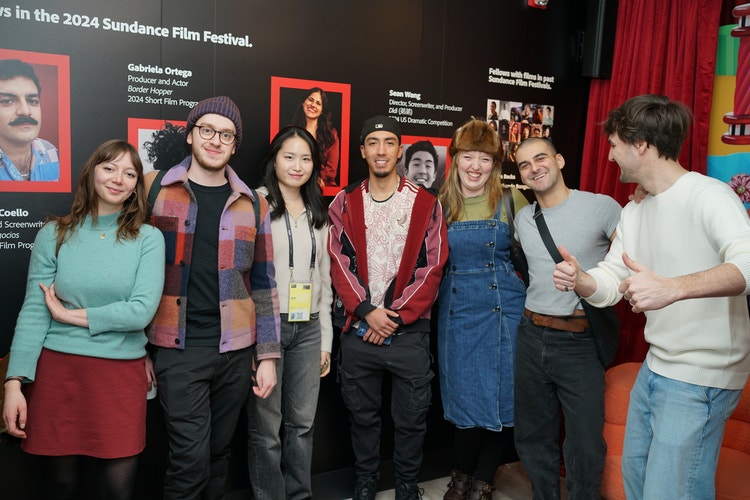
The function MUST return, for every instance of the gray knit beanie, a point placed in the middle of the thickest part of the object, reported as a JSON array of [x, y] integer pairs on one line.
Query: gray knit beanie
[[221, 105]]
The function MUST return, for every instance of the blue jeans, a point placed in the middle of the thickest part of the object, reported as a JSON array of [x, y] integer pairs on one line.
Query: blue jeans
[[280, 427], [673, 436], [559, 370]]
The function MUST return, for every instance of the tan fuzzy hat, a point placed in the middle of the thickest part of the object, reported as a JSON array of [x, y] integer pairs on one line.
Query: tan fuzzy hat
[[476, 135]]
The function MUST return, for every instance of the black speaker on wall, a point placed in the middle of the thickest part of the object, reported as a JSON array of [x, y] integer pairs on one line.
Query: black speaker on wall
[[599, 38]]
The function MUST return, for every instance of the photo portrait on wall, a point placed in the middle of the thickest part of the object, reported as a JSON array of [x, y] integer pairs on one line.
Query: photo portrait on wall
[[34, 122], [323, 109], [517, 120], [425, 160], [160, 143]]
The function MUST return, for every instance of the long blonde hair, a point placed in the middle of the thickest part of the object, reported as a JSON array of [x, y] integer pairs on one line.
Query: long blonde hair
[[474, 135]]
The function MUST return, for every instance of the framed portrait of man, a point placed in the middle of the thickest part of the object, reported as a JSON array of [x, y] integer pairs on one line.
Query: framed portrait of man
[[34, 122], [425, 160]]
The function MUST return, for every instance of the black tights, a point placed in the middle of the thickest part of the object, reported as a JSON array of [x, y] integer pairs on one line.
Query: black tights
[[480, 451], [116, 477]]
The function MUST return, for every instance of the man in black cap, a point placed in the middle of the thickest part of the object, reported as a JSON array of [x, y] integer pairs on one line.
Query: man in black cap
[[388, 246], [219, 309]]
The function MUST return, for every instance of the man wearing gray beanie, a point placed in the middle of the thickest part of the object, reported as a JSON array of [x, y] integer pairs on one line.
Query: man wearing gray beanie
[[217, 327]]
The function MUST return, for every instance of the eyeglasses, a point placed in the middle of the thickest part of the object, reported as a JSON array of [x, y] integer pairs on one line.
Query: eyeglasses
[[207, 133]]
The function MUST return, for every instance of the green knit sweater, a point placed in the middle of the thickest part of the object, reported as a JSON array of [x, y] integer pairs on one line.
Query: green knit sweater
[[119, 283]]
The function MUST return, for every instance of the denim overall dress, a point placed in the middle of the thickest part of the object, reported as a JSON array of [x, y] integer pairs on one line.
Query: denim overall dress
[[480, 303]]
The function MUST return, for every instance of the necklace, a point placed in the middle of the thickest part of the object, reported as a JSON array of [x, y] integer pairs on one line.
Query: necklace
[[387, 197], [293, 203], [295, 218], [383, 200], [103, 234]]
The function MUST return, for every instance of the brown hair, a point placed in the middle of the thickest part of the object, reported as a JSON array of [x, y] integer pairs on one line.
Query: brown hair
[[134, 209], [655, 119]]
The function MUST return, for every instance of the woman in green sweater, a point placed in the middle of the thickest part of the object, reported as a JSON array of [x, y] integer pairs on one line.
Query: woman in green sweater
[[95, 279]]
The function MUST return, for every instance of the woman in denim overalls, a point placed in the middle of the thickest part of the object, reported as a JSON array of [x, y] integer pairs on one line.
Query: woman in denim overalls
[[480, 303]]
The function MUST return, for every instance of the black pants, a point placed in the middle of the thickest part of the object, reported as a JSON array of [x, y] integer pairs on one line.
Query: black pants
[[201, 392], [361, 369], [558, 373]]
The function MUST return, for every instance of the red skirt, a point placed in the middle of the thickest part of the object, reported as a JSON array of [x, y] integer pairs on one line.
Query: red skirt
[[79, 405]]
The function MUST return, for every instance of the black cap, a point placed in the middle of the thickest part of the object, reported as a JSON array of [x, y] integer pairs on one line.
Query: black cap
[[377, 123]]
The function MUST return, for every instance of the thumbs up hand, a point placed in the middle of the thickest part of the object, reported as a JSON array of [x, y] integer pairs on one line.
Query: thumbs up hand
[[568, 275], [646, 290]]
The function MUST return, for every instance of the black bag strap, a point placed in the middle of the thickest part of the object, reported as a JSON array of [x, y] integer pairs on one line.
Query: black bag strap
[[544, 233], [510, 211], [153, 191], [606, 318], [256, 207], [541, 224]]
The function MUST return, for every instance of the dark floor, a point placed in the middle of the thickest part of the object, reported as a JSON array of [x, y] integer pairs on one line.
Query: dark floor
[[339, 484]]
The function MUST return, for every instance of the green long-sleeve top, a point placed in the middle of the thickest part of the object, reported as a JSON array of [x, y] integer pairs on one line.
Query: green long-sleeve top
[[119, 283]]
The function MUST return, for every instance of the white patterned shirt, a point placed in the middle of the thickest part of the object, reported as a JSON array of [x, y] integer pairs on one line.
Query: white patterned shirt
[[387, 223]]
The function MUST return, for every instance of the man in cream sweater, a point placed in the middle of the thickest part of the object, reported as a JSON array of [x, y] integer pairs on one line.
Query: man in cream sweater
[[682, 257]]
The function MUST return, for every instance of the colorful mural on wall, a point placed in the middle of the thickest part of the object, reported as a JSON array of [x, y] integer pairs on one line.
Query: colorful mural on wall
[[729, 131]]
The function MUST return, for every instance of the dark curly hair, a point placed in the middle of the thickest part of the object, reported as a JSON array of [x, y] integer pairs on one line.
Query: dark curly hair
[[13, 68], [167, 146]]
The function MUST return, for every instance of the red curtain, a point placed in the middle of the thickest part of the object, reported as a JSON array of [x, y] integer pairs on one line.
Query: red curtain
[[661, 47]]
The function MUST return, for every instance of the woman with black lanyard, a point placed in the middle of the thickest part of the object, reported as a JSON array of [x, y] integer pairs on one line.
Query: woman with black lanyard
[[299, 224]]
